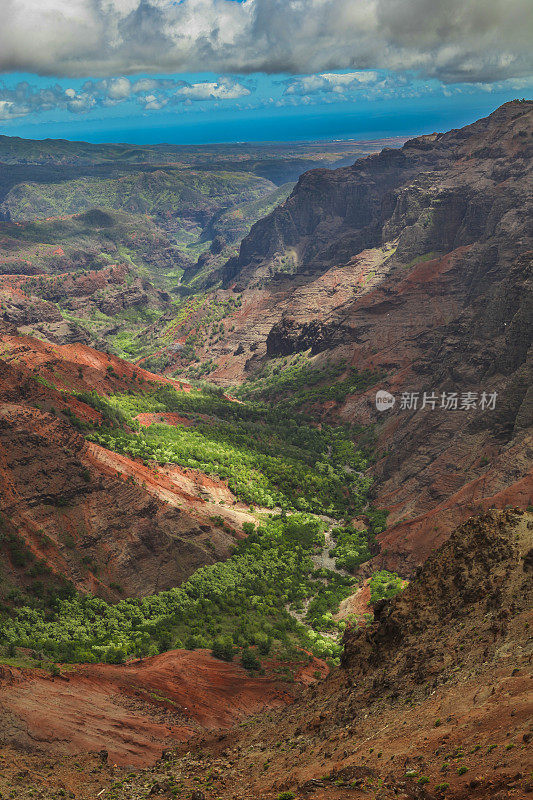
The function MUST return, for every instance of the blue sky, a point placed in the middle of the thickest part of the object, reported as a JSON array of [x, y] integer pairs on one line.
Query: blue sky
[[261, 70]]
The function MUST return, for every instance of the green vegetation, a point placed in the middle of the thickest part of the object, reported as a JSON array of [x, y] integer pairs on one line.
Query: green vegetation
[[421, 259], [193, 322], [352, 547], [298, 383], [266, 457], [223, 648], [89, 242], [112, 415], [268, 598], [384, 585], [238, 603], [169, 191], [249, 661]]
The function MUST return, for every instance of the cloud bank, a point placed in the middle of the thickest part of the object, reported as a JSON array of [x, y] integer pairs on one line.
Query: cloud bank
[[452, 40], [150, 94]]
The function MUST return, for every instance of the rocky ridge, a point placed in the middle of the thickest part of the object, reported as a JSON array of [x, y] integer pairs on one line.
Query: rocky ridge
[[414, 264], [432, 700], [106, 523]]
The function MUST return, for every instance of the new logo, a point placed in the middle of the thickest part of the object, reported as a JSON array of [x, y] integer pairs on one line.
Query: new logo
[[384, 400]]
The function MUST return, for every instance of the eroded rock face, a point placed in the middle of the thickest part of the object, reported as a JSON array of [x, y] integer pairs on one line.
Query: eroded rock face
[[32, 303], [104, 522], [436, 193], [475, 579], [97, 529], [289, 336], [414, 264]]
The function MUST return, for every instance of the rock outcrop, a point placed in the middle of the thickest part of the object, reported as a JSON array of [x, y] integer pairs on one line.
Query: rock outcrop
[[414, 264], [288, 336]]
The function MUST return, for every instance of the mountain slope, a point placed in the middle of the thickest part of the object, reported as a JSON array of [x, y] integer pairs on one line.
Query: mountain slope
[[414, 265], [72, 510], [69, 208], [436, 193], [432, 700]]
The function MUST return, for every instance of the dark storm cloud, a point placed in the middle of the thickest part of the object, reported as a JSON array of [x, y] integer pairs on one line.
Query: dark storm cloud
[[452, 40]]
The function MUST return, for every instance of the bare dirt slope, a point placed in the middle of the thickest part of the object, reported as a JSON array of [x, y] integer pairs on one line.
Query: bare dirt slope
[[136, 710], [105, 522], [432, 701]]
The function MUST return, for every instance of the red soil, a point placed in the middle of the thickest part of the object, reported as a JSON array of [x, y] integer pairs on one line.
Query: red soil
[[358, 603], [77, 366], [411, 542], [135, 710], [200, 494], [144, 529]]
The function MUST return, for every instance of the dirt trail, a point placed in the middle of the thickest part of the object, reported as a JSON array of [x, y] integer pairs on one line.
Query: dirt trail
[[323, 560]]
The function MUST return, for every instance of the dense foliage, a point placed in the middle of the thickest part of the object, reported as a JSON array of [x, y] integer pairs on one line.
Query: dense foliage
[[352, 547], [384, 585], [298, 383], [266, 457], [244, 599], [270, 595]]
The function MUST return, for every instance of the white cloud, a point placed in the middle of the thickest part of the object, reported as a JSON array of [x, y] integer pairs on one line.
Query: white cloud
[[144, 85], [151, 102], [118, 88], [331, 82], [151, 94], [26, 99], [453, 40], [9, 110], [210, 90]]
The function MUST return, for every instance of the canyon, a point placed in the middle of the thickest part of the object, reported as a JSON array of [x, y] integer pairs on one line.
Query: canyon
[[152, 375]]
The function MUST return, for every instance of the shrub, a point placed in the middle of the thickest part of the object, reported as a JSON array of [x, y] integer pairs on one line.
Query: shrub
[[263, 645], [384, 585], [250, 661], [223, 649]]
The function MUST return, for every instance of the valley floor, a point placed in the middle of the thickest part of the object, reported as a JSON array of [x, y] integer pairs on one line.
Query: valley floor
[[433, 702]]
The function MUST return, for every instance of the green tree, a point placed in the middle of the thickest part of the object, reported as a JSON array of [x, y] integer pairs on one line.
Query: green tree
[[223, 648], [249, 660]]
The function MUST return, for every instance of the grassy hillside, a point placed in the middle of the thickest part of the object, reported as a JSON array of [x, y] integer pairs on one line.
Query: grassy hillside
[[162, 192], [279, 162]]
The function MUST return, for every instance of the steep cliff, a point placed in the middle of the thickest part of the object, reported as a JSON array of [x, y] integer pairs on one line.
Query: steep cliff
[[437, 192], [414, 264]]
